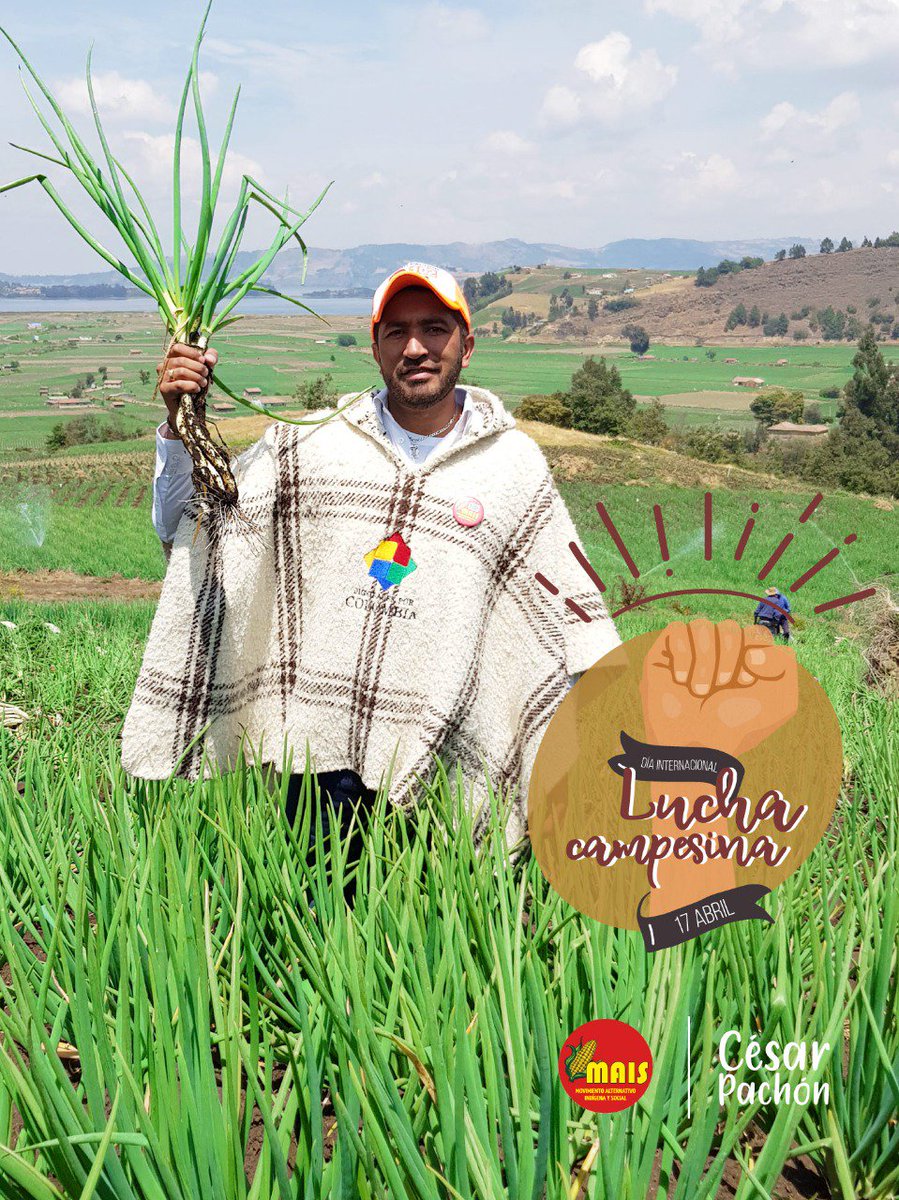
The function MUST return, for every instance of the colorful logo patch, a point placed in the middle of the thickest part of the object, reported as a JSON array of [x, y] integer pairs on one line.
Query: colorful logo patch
[[390, 561], [605, 1066]]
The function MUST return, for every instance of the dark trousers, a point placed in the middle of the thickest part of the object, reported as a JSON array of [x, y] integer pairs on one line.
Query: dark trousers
[[778, 628], [341, 792]]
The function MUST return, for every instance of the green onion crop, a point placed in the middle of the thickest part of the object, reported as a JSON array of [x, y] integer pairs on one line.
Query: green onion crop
[[196, 288]]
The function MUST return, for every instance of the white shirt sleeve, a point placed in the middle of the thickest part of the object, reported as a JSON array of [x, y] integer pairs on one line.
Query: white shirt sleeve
[[172, 484]]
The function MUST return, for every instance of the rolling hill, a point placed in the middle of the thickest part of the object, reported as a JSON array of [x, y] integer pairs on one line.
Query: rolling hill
[[860, 283]]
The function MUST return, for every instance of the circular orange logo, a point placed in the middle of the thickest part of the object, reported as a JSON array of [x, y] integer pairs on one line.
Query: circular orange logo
[[605, 1066], [685, 775]]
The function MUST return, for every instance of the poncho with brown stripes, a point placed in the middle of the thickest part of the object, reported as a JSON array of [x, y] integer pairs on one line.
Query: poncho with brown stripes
[[441, 643]]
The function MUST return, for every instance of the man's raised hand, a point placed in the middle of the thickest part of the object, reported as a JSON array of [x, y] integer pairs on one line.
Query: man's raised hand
[[185, 369]]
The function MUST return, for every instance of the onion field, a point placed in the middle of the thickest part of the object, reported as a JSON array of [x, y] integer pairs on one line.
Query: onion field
[[190, 1010]]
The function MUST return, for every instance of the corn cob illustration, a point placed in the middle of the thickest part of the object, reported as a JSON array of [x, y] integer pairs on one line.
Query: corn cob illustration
[[576, 1062]]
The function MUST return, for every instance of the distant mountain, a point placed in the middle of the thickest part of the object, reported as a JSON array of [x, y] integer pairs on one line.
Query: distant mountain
[[365, 266], [681, 254]]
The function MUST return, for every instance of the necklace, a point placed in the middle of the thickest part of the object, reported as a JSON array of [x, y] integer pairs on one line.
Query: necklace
[[420, 436], [417, 440]]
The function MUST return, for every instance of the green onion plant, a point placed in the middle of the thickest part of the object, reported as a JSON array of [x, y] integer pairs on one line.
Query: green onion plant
[[197, 286]]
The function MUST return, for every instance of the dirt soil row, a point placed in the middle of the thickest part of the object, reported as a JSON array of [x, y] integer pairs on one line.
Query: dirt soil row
[[50, 587]]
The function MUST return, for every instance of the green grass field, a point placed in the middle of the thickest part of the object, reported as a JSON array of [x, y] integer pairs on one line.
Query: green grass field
[[90, 511], [412, 1039], [460, 988], [277, 353]]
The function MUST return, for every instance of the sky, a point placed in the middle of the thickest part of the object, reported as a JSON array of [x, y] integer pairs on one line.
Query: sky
[[577, 122]]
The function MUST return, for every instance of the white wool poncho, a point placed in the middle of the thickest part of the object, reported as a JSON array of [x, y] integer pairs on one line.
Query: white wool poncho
[[467, 657]]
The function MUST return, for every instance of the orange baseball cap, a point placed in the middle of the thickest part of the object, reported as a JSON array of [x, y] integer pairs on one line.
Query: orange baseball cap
[[414, 274]]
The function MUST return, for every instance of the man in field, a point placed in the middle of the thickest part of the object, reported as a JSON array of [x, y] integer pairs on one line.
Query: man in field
[[393, 612], [773, 614]]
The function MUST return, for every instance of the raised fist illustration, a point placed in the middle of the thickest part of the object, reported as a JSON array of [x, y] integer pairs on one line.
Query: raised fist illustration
[[717, 685]]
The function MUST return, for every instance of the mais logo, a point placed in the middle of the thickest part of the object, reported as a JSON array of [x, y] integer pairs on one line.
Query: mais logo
[[605, 1066]]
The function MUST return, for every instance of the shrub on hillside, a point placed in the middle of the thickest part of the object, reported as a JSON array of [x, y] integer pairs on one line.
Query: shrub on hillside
[[712, 445], [551, 410], [771, 407], [738, 316], [832, 322], [620, 303], [598, 400], [648, 424], [776, 326], [637, 337], [346, 339], [754, 439], [316, 393], [87, 429]]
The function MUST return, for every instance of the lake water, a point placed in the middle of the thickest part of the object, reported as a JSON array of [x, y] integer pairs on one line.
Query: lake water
[[350, 306]]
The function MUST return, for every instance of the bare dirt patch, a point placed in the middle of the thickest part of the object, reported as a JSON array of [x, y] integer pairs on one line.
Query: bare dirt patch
[[51, 587], [732, 401]]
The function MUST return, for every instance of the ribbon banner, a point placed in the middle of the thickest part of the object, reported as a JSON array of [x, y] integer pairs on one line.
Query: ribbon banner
[[680, 764], [681, 924]]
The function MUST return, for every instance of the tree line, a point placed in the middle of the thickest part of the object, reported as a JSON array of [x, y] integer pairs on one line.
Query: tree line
[[707, 276], [833, 324], [481, 290]]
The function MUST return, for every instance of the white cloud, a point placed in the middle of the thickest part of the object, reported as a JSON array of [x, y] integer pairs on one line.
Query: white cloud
[[713, 174], [117, 96], [561, 106], [283, 63], [150, 156], [374, 180], [209, 84], [459, 24], [786, 123], [617, 84], [799, 34], [508, 143], [553, 189], [719, 20]]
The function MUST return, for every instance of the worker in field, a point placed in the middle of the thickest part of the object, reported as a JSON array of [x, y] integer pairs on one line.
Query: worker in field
[[774, 613], [393, 614]]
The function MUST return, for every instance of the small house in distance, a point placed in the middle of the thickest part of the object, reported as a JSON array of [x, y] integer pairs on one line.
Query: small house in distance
[[730, 360], [787, 429], [135, 351], [782, 362], [69, 402], [249, 393], [747, 381], [223, 406]]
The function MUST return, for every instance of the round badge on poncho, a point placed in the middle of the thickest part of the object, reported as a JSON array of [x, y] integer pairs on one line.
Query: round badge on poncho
[[468, 511]]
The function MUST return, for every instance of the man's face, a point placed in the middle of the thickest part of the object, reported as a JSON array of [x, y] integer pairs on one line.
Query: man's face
[[421, 348]]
